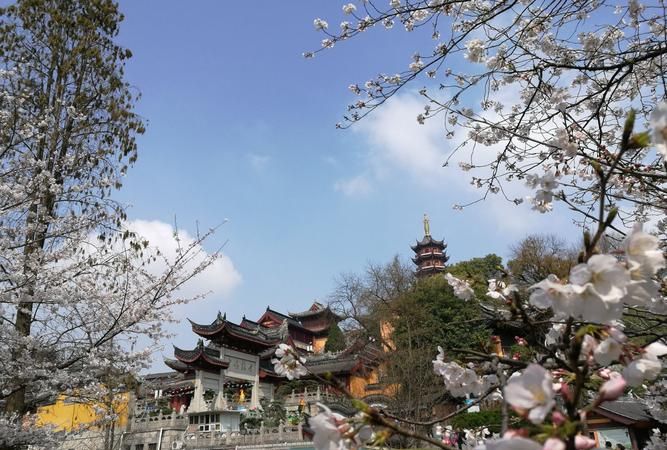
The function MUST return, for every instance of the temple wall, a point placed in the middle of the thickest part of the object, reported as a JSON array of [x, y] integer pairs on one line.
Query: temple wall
[[358, 383], [319, 343], [243, 366], [68, 415]]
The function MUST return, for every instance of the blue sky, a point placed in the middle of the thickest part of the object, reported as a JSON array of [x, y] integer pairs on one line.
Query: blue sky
[[240, 126]]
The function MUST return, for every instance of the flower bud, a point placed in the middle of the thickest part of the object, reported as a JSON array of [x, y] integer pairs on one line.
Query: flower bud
[[554, 444], [558, 418], [613, 388], [583, 443]]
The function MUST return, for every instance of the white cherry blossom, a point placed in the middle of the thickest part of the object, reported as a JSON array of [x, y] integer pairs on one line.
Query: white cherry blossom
[[327, 428], [604, 274], [659, 127], [608, 351], [320, 24], [349, 8], [555, 334], [643, 253], [647, 366], [552, 293], [598, 285], [475, 51], [461, 381], [613, 388], [461, 288], [498, 290], [531, 391], [289, 364]]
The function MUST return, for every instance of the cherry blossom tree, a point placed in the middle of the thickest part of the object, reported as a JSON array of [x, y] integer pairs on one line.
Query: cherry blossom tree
[[82, 297], [586, 358], [569, 99], [529, 91]]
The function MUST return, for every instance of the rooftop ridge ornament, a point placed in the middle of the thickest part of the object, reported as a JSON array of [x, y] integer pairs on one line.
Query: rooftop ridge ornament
[[427, 225]]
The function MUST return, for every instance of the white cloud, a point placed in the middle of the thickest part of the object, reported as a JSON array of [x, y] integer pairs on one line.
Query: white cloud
[[399, 147], [354, 187], [398, 142], [220, 278], [258, 161]]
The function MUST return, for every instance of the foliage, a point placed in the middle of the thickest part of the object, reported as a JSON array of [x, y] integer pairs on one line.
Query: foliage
[[491, 419], [477, 271], [250, 422], [273, 413], [286, 388], [418, 328], [521, 352], [336, 340], [420, 315]]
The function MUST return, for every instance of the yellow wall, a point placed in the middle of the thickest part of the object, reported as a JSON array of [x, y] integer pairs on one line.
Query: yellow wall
[[67, 414], [318, 344], [358, 385]]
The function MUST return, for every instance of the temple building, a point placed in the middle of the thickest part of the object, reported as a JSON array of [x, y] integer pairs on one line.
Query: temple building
[[430, 255], [229, 372]]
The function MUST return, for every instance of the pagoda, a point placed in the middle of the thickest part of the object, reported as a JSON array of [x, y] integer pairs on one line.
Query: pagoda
[[430, 255]]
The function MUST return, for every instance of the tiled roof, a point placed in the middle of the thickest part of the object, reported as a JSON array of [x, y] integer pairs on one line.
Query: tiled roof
[[315, 310], [335, 365], [428, 240], [290, 320], [625, 411], [199, 357], [257, 334]]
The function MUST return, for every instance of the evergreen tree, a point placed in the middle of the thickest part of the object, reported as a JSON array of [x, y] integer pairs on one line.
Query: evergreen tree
[[336, 340]]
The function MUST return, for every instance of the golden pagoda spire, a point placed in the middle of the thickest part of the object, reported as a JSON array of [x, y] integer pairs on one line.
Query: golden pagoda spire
[[427, 225]]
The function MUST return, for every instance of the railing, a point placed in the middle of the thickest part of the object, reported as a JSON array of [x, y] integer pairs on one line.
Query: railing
[[297, 398], [237, 405], [150, 410], [260, 436], [431, 253], [146, 421]]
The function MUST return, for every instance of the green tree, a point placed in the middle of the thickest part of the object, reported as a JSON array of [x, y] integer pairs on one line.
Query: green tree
[[477, 271], [432, 315], [336, 340], [428, 316]]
